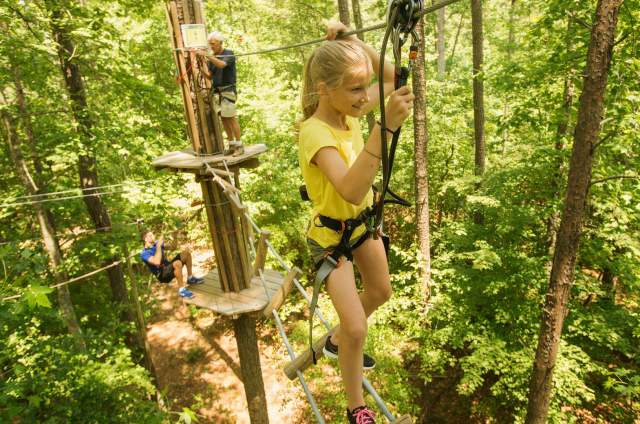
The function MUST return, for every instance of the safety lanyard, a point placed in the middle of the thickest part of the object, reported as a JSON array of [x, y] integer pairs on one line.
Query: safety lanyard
[[402, 17]]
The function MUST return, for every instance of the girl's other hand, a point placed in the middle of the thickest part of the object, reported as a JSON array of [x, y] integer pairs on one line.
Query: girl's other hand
[[334, 28], [398, 107]]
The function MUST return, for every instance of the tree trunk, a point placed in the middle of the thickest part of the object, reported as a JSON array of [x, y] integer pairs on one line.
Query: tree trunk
[[421, 156], [561, 133], [46, 228], [564, 260], [478, 93], [25, 118], [455, 40], [357, 19], [245, 332], [87, 167], [440, 37], [510, 47], [343, 10]]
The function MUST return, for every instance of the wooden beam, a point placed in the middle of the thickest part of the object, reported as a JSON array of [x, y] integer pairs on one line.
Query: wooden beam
[[182, 70], [207, 192], [174, 45], [278, 298], [261, 253], [303, 361], [223, 229]]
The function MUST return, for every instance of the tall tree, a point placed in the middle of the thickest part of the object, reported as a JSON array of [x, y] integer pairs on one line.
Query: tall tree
[[46, 228], [478, 92], [561, 133], [357, 19], [421, 163], [440, 37], [562, 272], [343, 10], [87, 166], [510, 47]]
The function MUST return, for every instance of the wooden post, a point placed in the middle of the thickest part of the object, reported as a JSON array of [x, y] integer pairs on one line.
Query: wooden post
[[142, 330], [278, 298], [261, 252], [245, 332], [182, 69], [207, 187]]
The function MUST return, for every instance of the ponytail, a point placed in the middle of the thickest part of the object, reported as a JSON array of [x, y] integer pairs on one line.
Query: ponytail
[[310, 97]]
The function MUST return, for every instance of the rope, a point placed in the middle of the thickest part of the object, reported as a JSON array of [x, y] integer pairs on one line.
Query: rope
[[73, 234], [13, 199], [113, 264], [89, 230], [35, 202], [81, 277], [180, 78]]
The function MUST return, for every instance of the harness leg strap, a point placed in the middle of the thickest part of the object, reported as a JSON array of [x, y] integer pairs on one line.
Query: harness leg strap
[[328, 265]]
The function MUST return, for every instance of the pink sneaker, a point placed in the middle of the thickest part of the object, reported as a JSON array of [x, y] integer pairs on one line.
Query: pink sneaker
[[361, 415]]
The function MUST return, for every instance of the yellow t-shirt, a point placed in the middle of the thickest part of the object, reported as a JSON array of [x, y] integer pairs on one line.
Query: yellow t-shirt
[[314, 135]]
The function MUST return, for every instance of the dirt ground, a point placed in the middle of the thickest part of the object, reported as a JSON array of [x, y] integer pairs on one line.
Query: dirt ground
[[196, 361]]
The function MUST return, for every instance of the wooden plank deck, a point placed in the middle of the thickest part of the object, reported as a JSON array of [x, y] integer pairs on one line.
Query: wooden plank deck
[[209, 295], [187, 160]]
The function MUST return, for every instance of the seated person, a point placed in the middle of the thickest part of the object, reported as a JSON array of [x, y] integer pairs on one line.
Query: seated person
[[166, 270]]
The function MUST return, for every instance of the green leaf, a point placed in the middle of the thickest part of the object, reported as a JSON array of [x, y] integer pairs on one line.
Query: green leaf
[[36, 295]]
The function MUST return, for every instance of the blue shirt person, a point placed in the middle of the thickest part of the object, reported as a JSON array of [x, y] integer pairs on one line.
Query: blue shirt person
[[153, 256]]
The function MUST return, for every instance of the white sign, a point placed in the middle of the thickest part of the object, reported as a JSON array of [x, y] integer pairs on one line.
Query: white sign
[[194, 36]]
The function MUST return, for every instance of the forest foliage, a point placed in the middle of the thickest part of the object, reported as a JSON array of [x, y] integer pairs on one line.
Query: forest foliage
[[468, 356]]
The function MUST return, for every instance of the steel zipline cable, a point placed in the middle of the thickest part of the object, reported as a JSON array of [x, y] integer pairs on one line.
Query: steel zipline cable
[[40, 196], [381, 25]]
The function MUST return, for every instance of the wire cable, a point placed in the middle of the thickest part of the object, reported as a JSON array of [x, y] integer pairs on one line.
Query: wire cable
[[81, 277], [381, 25], [16, 198]]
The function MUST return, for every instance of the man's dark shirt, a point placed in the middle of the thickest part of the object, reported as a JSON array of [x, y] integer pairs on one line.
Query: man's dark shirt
[[224, 78]]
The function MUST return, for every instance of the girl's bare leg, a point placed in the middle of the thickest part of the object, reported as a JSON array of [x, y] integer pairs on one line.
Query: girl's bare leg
[[371, 260], [353, 324]]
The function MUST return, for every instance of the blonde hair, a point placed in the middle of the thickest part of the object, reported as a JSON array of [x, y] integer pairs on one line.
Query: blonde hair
[[328, 63]]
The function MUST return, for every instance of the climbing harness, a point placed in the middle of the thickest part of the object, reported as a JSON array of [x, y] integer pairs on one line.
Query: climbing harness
[[333, 258], [402, 17]]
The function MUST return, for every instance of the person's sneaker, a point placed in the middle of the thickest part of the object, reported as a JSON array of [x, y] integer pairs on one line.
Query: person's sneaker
[[186, 293], [195, 280], [331, 351], [361, 415]]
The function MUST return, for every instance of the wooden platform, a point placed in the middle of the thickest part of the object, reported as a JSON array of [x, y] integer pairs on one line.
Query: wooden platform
[[186, 160], [209, 294]]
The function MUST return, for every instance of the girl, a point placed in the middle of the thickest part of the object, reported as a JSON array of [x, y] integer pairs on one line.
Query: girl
[[339, 169]]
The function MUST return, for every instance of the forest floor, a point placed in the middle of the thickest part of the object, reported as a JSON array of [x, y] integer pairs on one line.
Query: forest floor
[[196, 359]]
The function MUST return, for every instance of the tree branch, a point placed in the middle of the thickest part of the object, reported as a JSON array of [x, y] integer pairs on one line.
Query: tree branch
[[622, 38], [616, 177], [573, 17], [602, 140]]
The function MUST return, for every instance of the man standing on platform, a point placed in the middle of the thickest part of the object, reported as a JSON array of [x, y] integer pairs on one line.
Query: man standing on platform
[[153, 255], [222, 71]]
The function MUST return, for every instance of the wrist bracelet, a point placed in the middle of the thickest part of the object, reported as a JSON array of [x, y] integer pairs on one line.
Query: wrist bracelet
[[371, 153], [387, 129]]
